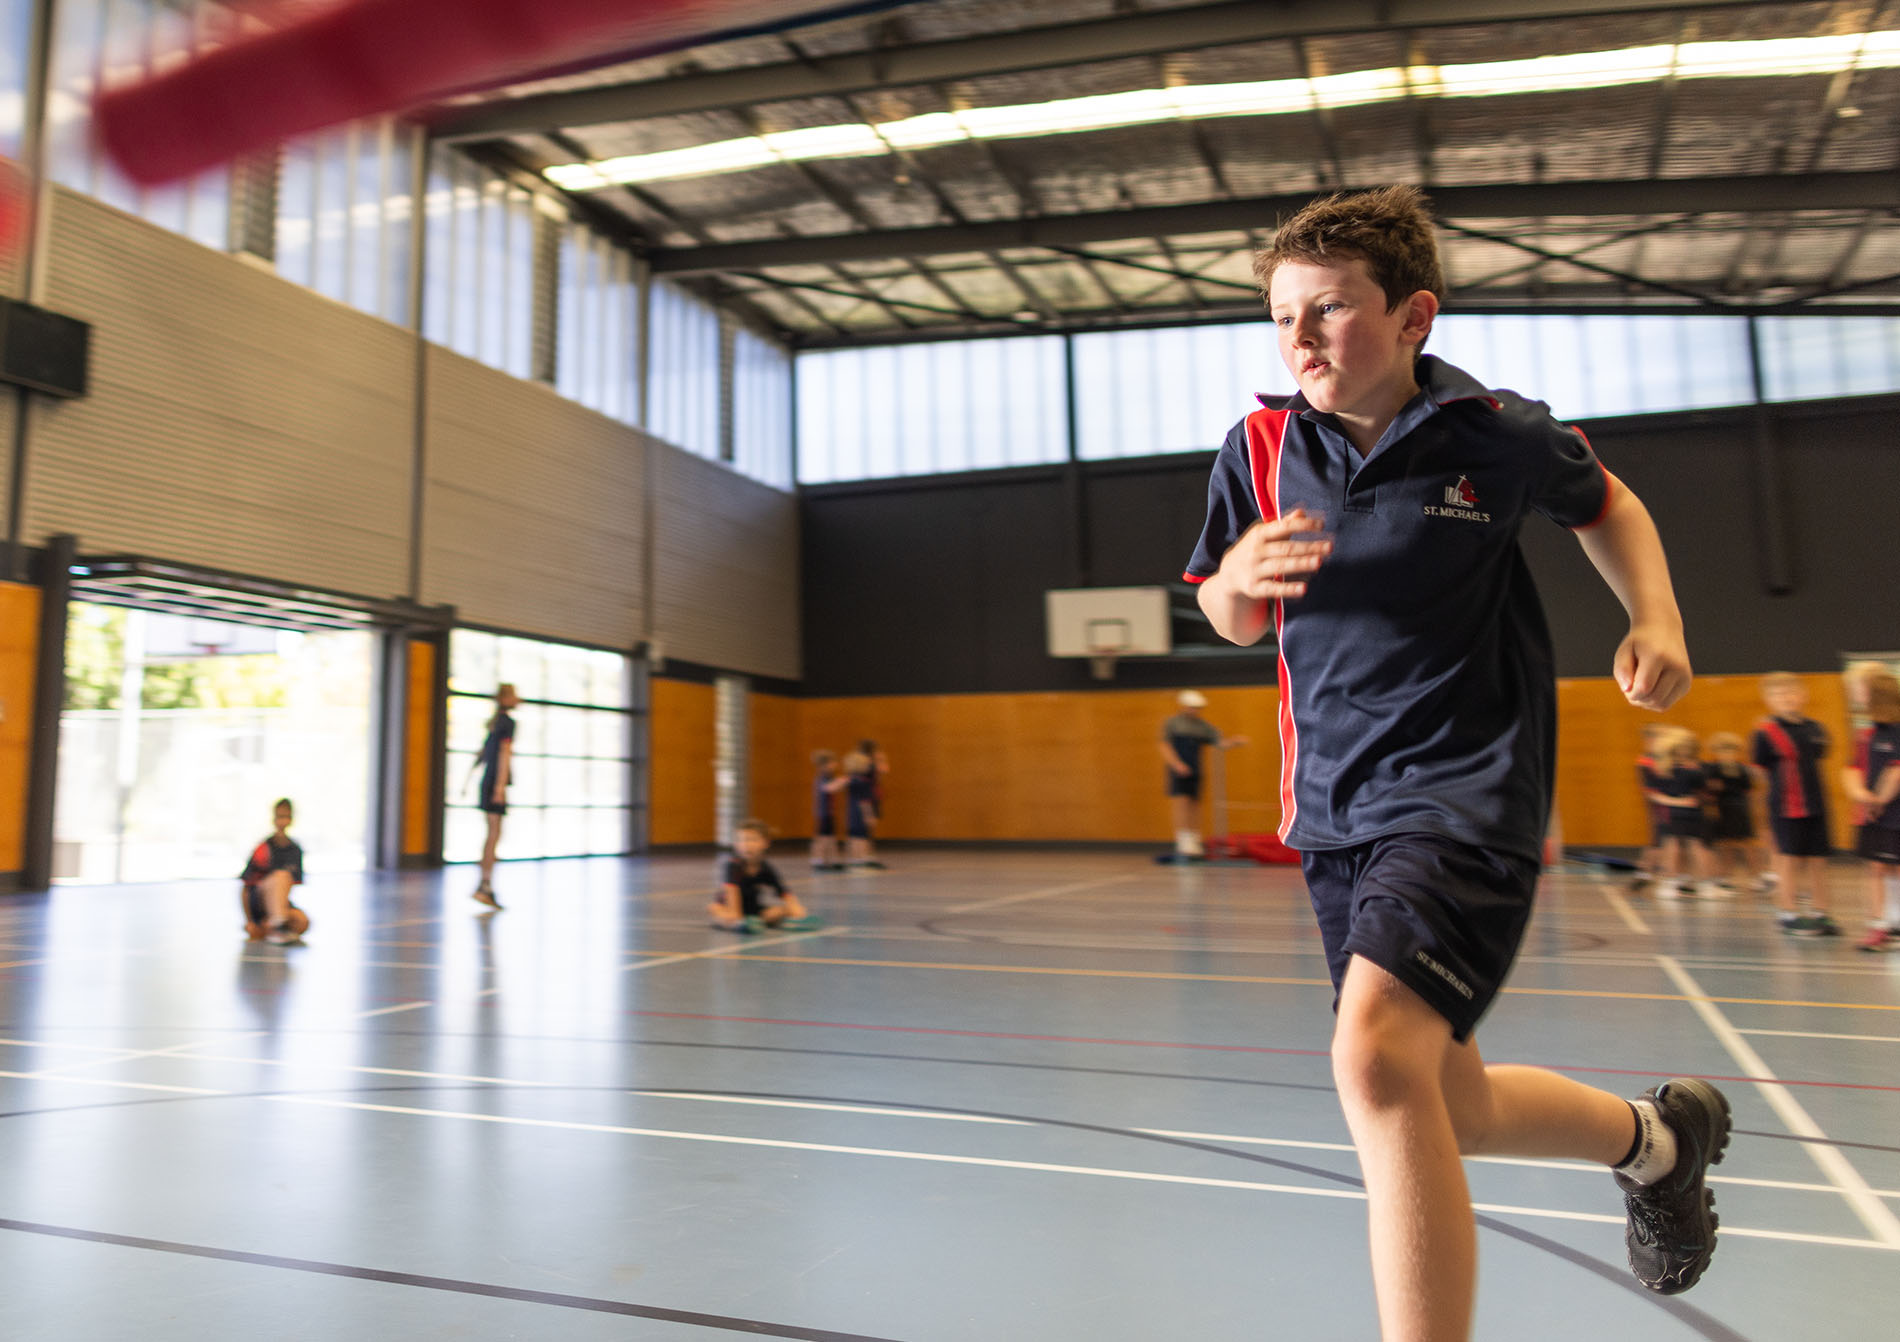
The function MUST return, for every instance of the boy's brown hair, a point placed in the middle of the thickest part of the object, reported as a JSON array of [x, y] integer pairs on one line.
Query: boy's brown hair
[[1776, 680], [823, 757], [758, 827], [1390, 228]]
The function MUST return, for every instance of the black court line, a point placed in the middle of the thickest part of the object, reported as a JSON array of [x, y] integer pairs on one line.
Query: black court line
[[1704, 1325], [692, 1318]]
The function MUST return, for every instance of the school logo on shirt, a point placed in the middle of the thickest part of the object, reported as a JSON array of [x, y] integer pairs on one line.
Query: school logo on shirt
[[1461, 502]]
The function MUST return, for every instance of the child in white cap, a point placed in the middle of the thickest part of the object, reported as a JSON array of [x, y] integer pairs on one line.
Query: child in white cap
[[1183, 737]]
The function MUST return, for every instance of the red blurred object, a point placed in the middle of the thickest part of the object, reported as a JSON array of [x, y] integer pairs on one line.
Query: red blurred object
[[15, 203], [1253, 848], [359, 59]]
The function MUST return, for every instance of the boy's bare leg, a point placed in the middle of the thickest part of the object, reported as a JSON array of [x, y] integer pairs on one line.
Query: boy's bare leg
[[1401, 1081], [1815, 869], [1787, 877], [276, 888], [489, 847]]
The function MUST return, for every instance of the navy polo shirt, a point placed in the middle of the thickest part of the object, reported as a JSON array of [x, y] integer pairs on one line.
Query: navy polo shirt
[[1790, 751], [1417, 687]]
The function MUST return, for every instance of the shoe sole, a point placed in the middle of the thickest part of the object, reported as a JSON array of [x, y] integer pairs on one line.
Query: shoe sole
[[1715, 1103]]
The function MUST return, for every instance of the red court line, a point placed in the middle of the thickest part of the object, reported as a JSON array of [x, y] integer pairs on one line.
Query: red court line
[[1210, 1048]]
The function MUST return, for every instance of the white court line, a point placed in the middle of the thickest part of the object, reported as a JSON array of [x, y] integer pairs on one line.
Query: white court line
[[1049, 892], [1816, 1034], [1143, 1176], [133, 1055], [1873, 1213], [734, 949], [113, 1085], [1614, 898], [882, 1111], [1094, 1171]]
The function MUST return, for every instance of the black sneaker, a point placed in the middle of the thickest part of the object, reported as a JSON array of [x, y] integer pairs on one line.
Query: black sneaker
[[1825, 926], [1672, 1222]]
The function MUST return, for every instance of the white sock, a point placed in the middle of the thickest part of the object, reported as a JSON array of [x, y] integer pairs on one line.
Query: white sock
[[1655, 1152], [1893, 900]]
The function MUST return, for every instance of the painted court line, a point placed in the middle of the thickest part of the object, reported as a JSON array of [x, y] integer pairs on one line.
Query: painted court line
[[1049, 892], [1874, 1214], [1816, 1034], [991, 1162], [1615, 900], [111, 1085], [1179, 976]]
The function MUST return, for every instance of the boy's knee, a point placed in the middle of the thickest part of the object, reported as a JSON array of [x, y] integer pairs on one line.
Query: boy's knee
[[1384, 1061]]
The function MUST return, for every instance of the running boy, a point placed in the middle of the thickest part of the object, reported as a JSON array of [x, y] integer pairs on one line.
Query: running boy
[[740, 905], [276, 866], [1789, 747], [1371, 519]]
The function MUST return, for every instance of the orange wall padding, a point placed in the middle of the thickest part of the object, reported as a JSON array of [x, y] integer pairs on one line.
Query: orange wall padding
[[19, 653], [681, 747], [1084, 766], [419, 749]]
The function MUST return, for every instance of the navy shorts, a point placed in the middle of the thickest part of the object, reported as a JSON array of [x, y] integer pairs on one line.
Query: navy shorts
[[1685, 822], [1184, 785], [1805, 837], [858, 819], [1731, 824], [1879, 843], [1444, 918]]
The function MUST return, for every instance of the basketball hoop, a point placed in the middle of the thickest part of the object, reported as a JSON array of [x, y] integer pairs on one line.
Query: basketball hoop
[[1108, 639]]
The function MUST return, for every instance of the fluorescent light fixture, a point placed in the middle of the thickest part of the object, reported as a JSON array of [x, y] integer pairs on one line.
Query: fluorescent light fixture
[[1780, 57]]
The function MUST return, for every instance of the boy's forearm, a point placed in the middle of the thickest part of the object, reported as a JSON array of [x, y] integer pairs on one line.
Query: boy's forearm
[[1236, 618], [1627, 550]]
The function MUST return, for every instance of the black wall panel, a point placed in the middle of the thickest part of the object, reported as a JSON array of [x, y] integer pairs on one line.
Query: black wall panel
[[936, 586]]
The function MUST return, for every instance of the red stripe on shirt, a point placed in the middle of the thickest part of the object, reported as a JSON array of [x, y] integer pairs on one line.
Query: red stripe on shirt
[[1795, 802], [1266, 432]]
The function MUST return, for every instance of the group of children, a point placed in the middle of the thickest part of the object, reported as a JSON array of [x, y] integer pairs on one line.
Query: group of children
[[746, 878], [859, 779], [1703, 813]]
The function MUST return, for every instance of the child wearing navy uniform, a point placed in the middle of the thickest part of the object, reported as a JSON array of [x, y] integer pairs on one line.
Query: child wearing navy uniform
[[1371, 521], [496, 763], [827, 783], [1788, 747], [860, 810], [1874, 786], [276, 866], [1731, 789], [745, 877], [1183, 737], [1678, 789]]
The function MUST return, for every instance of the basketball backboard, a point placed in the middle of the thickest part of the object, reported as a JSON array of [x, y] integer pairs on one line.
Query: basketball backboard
[[1108, 622]]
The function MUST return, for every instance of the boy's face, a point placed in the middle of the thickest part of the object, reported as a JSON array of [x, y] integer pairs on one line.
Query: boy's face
[[750, 844], [1728, 753], [1786, 698], [282, 817], [1342, 346]]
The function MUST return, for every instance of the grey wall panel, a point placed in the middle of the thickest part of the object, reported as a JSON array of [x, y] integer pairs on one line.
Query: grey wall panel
[[532, 508], [726, 560], [235, 420]]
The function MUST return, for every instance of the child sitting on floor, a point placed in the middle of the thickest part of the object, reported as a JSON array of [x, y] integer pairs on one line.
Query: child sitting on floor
[[741, 905], [276, 865]]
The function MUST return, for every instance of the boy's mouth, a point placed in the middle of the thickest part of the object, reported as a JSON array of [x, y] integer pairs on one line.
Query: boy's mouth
[[1313, 365]]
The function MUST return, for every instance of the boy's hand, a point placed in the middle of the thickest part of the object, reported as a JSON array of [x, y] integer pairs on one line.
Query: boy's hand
[[1652, 666], [1268, 560]]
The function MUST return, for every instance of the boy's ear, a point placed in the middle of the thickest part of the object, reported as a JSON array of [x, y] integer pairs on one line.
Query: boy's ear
[[1421, 309]]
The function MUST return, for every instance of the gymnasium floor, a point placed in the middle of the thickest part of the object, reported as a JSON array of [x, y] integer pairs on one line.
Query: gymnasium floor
[[1039, 1096]]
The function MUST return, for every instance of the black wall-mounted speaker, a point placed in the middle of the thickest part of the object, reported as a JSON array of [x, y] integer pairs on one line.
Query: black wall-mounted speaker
[[43, 350]]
